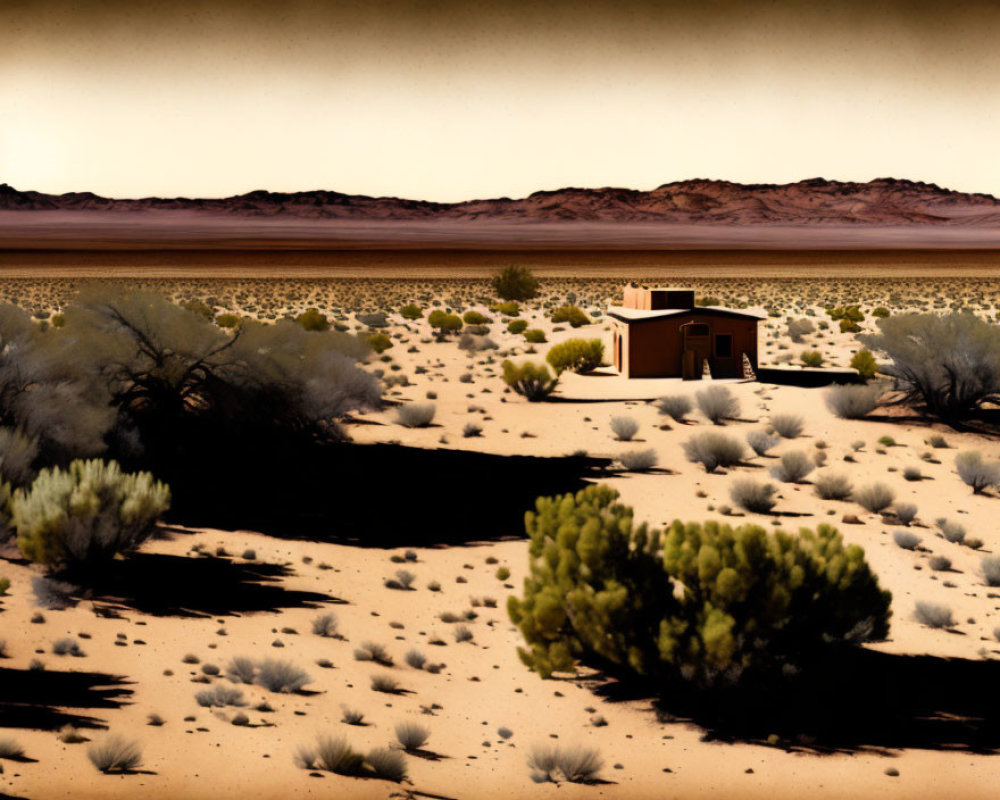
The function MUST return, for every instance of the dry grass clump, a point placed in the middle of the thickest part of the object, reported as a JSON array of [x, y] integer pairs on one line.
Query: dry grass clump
[[638, 460], [939, 563], [624, 428], [325, 625], [761, 441], [416, 415], [677, 406], [975, 472], [411, 736], [990, 566], [831, 486], [372, 651], [713, 449], [906, 539], [385, 684], [11, 749], [933, 615], [574, 764], [874, 497], [389, 765], [853, 402], [953, 532], [748, 494], [793, 467], [718, 404], [220, 697], [905, 512], [788, 426], [115, 754]]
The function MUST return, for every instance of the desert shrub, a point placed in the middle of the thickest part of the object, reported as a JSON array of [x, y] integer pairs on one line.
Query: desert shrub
[[718, 404], [325, 625], [953, 532], [389, 765], [880, 312], [933, 615], [444, 322], [864, 362], [793, 467], [11, 749], [379, 342], [787, 426], [220, 696], [411, 736], [373, 651], [471, 430], [874, 497], [638, 460], [811, 358], [334, 754], [351, 716], [576, 317], [535, 336], [712, 450], [385, 683], [115, 754], [463, 633], [761, 441], [852, 402], [849, 326], [624, 428], [411, 311], [517, 326], [403, 580], [990, 566], [509, 308], [416, 415], [975, 472], [799, 328], [752, 495], [86, 514], [415, 659], [515, 283], [17, 456], [280, 676], [551, 763], [950, 364], [474, 318], [833, 487], [532, 381], [906, 540], [939, 563], [242, 669], [905, 512], [228, 320], [578, 355], [52, 594], [601, 590], [70, 735], [675, 406], [313, 320], [4, 586], [912, 474], [502, 573], [67, 646], [937, 441]]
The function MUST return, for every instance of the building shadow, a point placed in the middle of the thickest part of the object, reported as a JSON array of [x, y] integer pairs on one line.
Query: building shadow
[[378, 495], [47, 699], [856, 700]]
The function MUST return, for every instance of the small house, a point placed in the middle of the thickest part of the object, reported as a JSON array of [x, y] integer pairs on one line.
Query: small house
[[659, 332]]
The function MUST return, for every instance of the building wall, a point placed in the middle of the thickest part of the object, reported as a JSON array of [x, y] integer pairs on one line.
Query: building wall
[[654, 348]]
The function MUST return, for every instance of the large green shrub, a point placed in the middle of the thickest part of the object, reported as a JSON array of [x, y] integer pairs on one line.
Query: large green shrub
[[444, 322], [864, 362], [411, 311], [579, 355], [706, 603], [313, 320], [87, 513], [533, 381], [515, 283]]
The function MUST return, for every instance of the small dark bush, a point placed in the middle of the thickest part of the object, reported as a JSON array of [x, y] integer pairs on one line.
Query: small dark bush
[[115, 754], [752, 496]]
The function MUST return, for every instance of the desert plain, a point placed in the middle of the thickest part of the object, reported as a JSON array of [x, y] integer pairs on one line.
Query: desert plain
[[485, 712]]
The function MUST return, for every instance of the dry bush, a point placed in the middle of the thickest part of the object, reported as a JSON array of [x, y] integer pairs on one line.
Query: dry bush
[[753, 496], [713, 449]]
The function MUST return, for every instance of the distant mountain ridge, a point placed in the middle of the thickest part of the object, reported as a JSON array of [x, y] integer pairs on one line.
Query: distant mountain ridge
[[880, 202]]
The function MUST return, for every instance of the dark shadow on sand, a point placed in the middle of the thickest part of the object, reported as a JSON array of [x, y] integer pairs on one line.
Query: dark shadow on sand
[[37, 699], [855, 700], [378, 495]]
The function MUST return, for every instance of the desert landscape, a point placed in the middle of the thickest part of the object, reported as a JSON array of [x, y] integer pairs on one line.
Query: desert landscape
[[396, 638]]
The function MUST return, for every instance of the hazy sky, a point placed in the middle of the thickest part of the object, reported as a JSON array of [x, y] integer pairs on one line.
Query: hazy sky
[[448, 100]]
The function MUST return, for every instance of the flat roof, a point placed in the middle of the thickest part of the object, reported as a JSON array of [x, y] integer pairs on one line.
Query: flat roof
[[640, 314]]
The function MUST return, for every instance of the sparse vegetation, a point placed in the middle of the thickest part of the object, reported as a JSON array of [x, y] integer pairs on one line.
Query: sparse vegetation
[[713, 449], [115, 754], [753, 496]]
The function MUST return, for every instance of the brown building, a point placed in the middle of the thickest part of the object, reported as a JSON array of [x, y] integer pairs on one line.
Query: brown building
[[660, 333]]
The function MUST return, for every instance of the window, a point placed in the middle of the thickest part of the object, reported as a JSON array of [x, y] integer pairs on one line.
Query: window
[[695, 329], [723, 345]]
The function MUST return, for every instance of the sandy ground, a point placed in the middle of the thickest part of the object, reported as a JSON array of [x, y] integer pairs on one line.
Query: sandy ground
[[483, 686]]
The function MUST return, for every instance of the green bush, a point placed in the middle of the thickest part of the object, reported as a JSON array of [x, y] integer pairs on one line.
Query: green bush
[[87, 513], [228, 320], [533, 381], [811, 358], [411, 311], [379, 342], [864, 362], [535, 336], [474, 318], [849, 326], [576, 317], [312, 320], [4, 586], [515, 283], [881, 312], [199, 307], [579, 355], [707, 603], [517, 326], [444, 322], [508, 309]]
